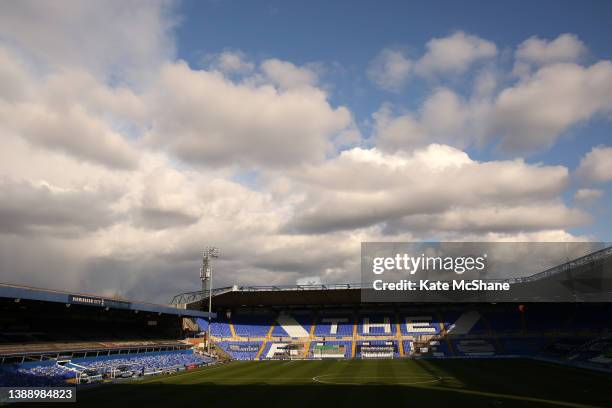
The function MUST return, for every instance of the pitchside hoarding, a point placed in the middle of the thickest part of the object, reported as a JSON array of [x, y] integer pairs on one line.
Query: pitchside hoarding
[[486, 272]]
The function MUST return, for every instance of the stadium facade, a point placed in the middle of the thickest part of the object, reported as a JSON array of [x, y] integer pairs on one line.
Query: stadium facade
[[331, 321], [49, 337]]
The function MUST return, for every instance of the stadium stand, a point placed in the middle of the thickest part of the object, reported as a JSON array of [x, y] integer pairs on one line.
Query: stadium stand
[[441, 330], [293, 325], [415, 324], [334, 326], [331, 349], [253, 326], [49, 337], [55, 373], [241, 350], [377, 349], [376, 324]]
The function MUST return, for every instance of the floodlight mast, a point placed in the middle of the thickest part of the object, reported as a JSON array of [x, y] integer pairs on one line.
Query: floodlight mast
[[206, 277]]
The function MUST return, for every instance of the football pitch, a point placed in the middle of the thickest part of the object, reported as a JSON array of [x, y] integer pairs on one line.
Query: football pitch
[[355, 383]]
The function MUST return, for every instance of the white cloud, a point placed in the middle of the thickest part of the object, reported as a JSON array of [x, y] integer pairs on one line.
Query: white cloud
[[596, 166], [169, 198], [499, 218], [390, 70], [565, 48], [454, 54], [115, 38], [587, 195], [527, 117], [287, 75], [485, 83], [437, 181], [13, 77], [533, 114], [394, 132], [72, 131], [65, 112], [232, 62], [444, 117], [136, 174], [42, 208], [204, 118]]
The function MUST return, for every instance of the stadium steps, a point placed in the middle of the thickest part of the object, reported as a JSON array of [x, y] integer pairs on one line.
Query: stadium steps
[[487, 324], [263, 343], [291, 326], [398, 331], [77, 368], [499, 345], [312, 328], [310, 339], [222, 353], [465, 323], [232, 329], [354, 344], [444, 333], [261, 350]]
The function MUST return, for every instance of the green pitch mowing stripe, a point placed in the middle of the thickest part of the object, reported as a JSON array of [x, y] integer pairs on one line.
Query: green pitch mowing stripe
[[355, 383]]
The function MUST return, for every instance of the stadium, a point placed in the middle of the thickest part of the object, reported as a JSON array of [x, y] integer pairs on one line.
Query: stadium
[[305, 344], [403, 203]]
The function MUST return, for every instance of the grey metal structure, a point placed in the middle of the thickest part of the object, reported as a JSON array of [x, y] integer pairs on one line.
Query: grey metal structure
[[20, 292], [206, 278], [195, 296], [190, 297]]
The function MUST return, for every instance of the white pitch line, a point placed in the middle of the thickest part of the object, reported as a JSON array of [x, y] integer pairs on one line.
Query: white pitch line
[[429, 380]]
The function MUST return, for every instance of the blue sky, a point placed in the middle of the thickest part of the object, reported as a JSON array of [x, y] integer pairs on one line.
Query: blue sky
[[346, 35], [286, 133]]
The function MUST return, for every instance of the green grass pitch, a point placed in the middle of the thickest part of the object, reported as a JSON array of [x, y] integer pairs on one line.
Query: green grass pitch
[[356, 383]]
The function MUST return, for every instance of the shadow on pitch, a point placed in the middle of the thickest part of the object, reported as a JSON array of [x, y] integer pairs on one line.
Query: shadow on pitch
[[311, 395]]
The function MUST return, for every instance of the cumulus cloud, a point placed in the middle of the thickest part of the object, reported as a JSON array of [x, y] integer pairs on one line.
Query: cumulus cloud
[[73, 131], [587, 195], [116, 181], [395, 132], [46, 209], [527, 117], [54, 113], [13, 77], [206, 119], [445, 117], [533, 114], [114, 38], [432, 181], [596, 166], [454, 54], [169, 199], [565, 48], [232, 62], [390, 70], [495, 219], [554, 94], [287, 75]]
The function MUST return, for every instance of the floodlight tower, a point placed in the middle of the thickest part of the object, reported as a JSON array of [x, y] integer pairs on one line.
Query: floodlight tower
[[206, 278]]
